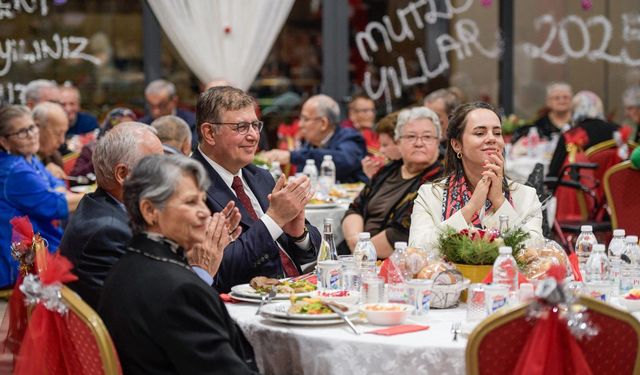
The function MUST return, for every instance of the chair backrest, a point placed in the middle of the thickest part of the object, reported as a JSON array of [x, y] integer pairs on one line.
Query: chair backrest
[[621, 188], [615, 349], [496, 343], [90, 337]]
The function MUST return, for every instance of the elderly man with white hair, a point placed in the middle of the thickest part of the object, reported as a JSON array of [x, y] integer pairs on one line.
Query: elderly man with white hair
[[320, 128], [558, 117], [53, 123], [162, 100], [39, 91]]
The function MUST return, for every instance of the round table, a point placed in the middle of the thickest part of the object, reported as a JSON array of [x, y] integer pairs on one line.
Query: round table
[[316, 217], [335, 349]]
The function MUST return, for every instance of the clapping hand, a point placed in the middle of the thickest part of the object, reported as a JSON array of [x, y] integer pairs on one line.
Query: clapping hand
[[287, 200], [208, 254], [494, 171]]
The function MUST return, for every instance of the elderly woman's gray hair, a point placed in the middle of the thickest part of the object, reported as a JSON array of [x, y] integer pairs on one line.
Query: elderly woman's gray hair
[[155, 179], [327, 107], [416, 113]]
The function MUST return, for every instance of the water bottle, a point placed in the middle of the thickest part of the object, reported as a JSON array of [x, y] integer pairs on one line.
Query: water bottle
[[505, 269], [327, 176], [616, 248], [275, 170], [396, 287], [631, 250], [328, 267], [598, 266], [584, 243], [311, 171], [533, 140], [365, 254]]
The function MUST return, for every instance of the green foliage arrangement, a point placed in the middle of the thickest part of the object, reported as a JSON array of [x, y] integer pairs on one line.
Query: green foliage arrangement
[[477, 246]]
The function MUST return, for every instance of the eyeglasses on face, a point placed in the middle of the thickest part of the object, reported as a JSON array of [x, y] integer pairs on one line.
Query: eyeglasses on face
[[243, 127], [413, 139], [24, 133]]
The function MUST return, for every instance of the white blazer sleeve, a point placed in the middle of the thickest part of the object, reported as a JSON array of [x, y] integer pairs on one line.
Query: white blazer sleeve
[[526, 202]]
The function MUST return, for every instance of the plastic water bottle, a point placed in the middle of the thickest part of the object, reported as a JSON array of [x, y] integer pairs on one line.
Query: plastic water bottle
[[631, 250], [311, 171], [327, 176], [598, 266], [328, 266], [505, 269], [396, 287], [616, 248], [275, 170], [584, 243], [365, 254]]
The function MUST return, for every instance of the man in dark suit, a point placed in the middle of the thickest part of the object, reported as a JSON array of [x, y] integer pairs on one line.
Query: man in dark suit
[[323, 135], [276, 240], [98, 232], [162, 100]]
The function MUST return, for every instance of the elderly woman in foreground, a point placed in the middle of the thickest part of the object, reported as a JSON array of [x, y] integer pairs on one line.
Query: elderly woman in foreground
[[383, 208], [475, 191], [162, 317]]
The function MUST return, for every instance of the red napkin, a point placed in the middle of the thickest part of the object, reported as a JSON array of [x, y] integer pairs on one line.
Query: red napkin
[[227, 298], [396, 330]]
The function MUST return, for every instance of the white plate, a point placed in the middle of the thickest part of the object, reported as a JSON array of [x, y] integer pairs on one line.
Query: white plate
[[245, 290], [298, 322], [83, 188], [280, 311], [322, 205], [244, 299]]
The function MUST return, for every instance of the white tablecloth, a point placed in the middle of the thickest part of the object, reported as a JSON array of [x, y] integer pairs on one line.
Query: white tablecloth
[[285, 349], [316, 217]]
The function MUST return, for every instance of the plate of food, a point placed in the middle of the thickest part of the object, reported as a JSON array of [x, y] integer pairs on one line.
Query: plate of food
[[261, 285], [321, 203], [306, 308]]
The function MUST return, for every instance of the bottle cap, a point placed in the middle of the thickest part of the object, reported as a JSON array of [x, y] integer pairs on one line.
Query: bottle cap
[[400, 245], [327, 157], [618, 232], [598, 247], [328, 220], [364, 235], [505, 250], [633, 239], [586, 228], [310, 161]]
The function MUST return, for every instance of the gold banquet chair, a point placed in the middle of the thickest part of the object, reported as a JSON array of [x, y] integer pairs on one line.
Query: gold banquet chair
[[494, 347], [92, 341]]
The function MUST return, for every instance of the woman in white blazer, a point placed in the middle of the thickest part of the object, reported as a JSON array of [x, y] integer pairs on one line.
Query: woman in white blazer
[[475, 191]]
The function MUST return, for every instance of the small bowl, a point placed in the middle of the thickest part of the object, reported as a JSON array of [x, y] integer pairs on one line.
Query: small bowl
[[632, 305], [338, 296], [386, 314]]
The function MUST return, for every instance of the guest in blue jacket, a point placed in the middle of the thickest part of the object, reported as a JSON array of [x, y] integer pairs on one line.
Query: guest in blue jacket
[[79, 122], [26, 187], [322, 134]]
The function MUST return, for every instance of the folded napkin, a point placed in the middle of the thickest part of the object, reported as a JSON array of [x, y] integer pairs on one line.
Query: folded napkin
[[396, 330], [227, 298]]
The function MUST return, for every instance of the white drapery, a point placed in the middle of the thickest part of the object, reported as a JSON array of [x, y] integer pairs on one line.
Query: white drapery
[[223, 39]]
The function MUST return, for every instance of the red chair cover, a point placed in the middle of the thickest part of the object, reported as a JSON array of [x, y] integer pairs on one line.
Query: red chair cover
[[622, 197], [499, 350]]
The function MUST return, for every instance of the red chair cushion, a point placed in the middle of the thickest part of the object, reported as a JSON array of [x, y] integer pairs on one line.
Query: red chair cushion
[[85, 345], [499, 350]]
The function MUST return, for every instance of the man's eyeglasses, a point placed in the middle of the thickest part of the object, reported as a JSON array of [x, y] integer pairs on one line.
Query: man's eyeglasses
[[363, 110], [243, 126], [413, 139], [24, 133]]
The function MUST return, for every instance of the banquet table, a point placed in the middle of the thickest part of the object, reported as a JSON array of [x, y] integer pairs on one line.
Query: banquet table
[[335, 349], [316, 217]]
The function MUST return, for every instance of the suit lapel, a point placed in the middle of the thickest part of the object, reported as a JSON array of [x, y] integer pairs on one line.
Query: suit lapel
[[252, 180]]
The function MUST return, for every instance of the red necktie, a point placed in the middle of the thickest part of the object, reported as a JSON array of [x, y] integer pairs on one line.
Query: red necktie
[[287, 264]]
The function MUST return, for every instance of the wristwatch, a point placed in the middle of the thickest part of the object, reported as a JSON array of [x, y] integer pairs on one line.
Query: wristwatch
[[301, 237]]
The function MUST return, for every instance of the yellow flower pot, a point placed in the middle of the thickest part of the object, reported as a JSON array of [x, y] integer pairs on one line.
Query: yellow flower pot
[[474, 273]]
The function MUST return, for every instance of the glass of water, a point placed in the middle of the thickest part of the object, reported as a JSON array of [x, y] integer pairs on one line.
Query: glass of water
[[372, 289]]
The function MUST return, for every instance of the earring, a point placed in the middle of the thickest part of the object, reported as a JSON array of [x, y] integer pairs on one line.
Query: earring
[[459, 155]]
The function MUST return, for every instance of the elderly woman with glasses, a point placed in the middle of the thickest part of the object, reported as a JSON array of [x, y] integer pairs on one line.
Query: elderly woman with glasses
[[162, 317], [384, 207], [26, 187], [475, 191]]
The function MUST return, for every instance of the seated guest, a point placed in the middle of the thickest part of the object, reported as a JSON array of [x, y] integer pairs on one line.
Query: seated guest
[[79, 122], [362, 116], [276, 239], [322, 134], [384, 207], [161, 316], [27, 187], [631, 100], [558, 106], [588, 115], [475, 191], [385, 129], [174, 134], [40, 91], [442, 102], [162, 100], [84, 165], [53, 124]]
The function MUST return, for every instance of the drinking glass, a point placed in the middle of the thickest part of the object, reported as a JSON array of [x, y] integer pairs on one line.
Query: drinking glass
[[328, 274], [350, 279], [476, 309], [372, 289], [496, 296], [419, 293]]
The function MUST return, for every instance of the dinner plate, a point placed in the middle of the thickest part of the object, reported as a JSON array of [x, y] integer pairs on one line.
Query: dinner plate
[[322, 205], [83, 188], [244, 299], [245, 290], [281, 311], [298, 322]]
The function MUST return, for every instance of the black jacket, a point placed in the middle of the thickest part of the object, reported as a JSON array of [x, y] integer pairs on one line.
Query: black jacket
[[164, 319]]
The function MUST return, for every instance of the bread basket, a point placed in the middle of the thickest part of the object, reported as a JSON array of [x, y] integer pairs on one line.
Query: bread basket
[[446, 289]]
